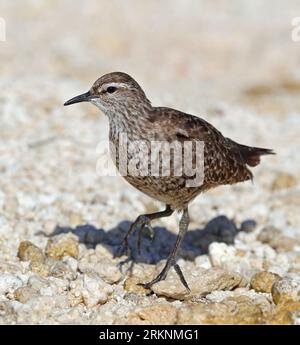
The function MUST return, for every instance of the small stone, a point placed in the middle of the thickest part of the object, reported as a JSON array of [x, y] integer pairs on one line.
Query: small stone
[[131, 284], [63, 271], [104, 251], [284, 180], [275, 238], [71, 262], [6, 308], [283, 313], [89, 289], [8, 314], [95, 290], [220, 253], [41, 307], [75, 293], [201, 282], [40, 268], [247, 260], [9, 283], [29, 252], [160, 314], [49, 226], [240, 253], [248, 225], [258, 298], [57, 286], [144, 272], [36, 282], [108, 271], [286, 289], [75, 219], [25, 293], [15, 267], [263, 281], [203, 261], [62, 245], [233, 310], [268, 233]]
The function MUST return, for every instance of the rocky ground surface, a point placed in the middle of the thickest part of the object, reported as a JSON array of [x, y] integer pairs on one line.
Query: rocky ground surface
[[61, 223]]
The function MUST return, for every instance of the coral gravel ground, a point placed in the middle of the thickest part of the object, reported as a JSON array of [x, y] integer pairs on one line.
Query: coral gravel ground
[[61, 223]]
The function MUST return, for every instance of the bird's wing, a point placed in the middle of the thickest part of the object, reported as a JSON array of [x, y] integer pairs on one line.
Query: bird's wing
[[175, 125], [179, 126], [224, 163]]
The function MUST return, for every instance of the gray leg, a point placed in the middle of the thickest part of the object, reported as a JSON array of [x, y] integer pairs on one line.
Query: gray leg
[[183, 226], [143, 220]]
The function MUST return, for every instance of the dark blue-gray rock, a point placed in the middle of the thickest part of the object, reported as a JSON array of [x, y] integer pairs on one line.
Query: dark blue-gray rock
[[248, 225]]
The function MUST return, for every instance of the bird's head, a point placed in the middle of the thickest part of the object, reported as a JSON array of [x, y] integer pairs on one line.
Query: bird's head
[[112, 93]]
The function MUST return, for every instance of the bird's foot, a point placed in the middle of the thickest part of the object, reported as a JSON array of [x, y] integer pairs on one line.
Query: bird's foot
[[181, 277], [143, 221], [123, 249], [163, 274], [129, 259]]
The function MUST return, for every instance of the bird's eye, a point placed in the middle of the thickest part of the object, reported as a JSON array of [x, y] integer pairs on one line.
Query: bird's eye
[[111, 89]]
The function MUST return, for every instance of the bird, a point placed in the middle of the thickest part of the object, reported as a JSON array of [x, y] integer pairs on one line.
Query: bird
[[130, 113]]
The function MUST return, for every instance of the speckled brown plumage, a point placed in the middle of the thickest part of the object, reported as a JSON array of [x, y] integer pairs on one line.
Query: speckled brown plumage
[[129, 111]]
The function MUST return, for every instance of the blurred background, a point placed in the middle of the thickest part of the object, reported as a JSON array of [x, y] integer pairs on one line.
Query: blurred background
[[235, 63], [213, 51], [232, 62]]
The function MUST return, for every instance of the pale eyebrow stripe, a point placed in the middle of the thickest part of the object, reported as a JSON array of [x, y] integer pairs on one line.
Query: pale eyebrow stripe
[[124, 85]]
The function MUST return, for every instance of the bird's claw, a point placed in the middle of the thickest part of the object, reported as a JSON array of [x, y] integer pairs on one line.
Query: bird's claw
[[143, 221], [123, 249], [146, 286], [162, 276]]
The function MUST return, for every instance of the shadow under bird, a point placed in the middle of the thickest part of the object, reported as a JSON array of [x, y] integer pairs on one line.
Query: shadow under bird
[[129, 111]]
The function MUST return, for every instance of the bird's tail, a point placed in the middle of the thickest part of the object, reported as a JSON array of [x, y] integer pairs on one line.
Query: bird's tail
[[251, 155]]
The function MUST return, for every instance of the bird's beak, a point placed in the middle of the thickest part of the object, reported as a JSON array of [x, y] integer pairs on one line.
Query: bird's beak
[[85, 97]]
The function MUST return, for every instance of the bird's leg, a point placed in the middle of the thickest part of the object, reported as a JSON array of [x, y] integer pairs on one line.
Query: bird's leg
[[139, 236], [143, 220], [171, 261]]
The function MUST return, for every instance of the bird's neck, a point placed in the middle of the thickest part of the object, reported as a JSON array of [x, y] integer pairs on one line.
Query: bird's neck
[[130, 120]]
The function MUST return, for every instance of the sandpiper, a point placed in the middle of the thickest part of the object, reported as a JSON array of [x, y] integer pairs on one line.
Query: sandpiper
[[129, 111]]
